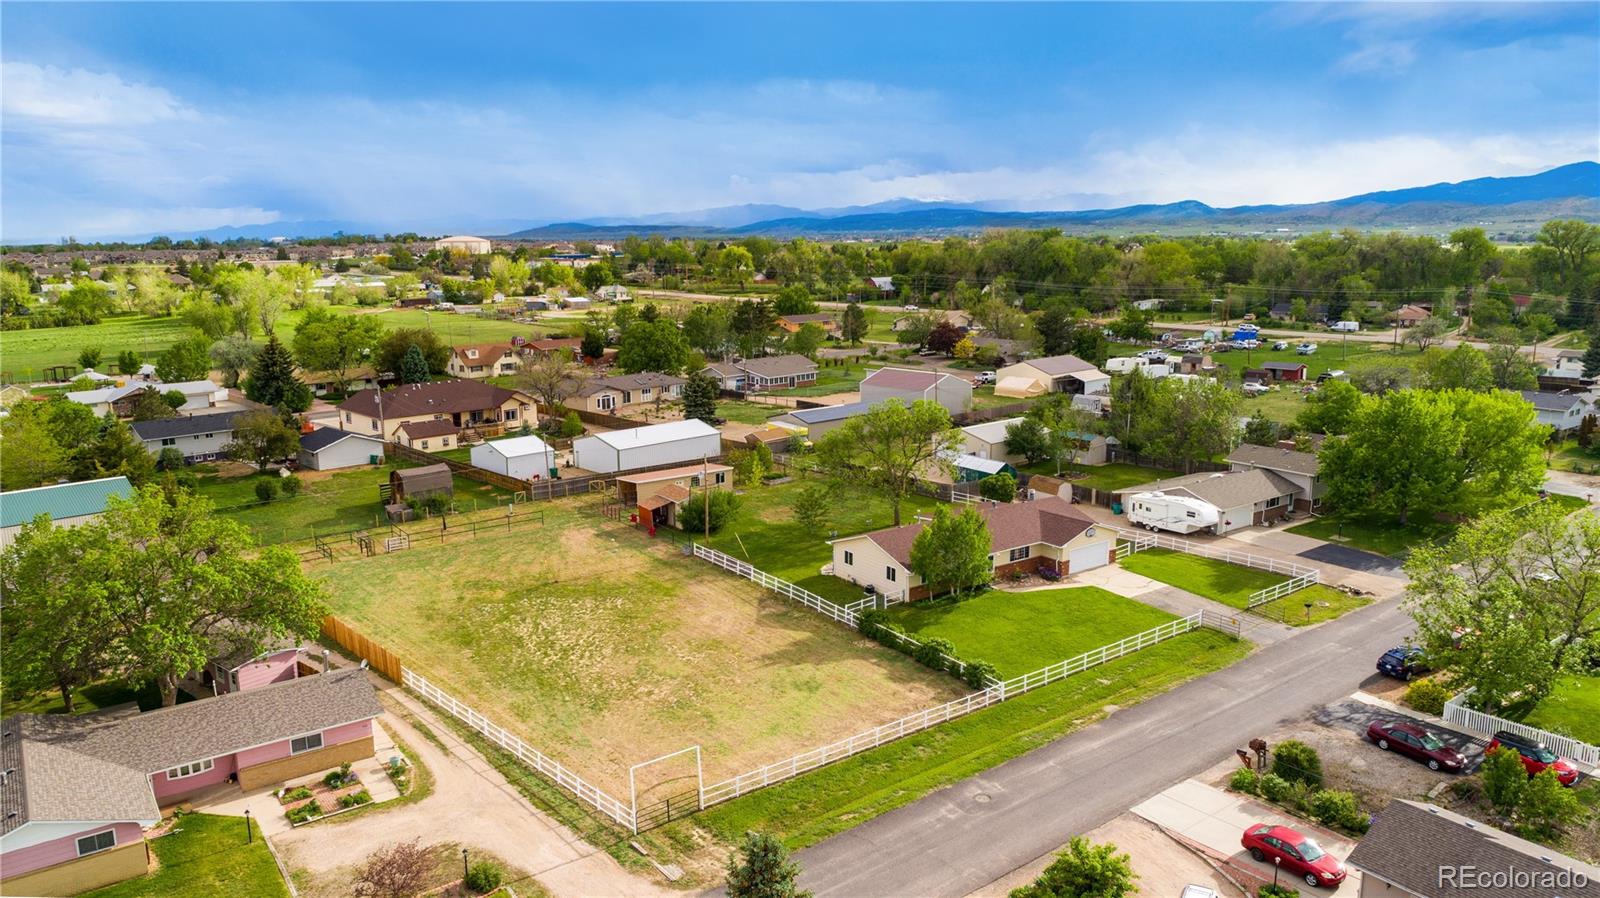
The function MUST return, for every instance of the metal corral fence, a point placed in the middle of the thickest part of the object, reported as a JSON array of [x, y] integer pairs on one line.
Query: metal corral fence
[[538, 761], [867, 740], [1299, 577], [379, 658], [1457, 712]]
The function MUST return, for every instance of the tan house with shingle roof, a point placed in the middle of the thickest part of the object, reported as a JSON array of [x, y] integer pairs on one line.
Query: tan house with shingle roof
[[824, 320], [1242, 498], [1048, 532], [624, 391], [464, 403], [1299, 468], [485, 360], [773, 372]]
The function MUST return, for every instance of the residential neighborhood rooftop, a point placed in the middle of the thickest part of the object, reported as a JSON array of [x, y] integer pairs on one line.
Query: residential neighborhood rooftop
[[1060, 364], [828, 412], [672, 473], [629, 382], [323, 437], [1224, 489], [433, 398], [656, 433], [905, 378], [1552, 402], [183, 426], [1051, 520], [1273, 458]]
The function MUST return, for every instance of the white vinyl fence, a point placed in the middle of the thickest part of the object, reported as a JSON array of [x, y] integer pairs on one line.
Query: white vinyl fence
[[1486, 725], [867, 740], [1299, 577], [538, 761]]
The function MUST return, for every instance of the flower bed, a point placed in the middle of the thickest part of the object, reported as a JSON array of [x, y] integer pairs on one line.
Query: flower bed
[[340, 790]]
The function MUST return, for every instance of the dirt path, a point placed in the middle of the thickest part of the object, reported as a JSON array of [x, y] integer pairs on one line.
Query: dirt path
[[471, 804]]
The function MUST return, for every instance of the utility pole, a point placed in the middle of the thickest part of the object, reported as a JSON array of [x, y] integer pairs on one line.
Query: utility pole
[[705, 484]]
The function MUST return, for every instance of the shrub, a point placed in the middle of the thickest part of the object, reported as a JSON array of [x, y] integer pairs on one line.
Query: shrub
[[266, 490], [1274, 787], [299, 794], [290, 485], [871, 622], [1001, 487], [692, 513], [571, 426], [1296, 761], [931, 653], [1337, 808], [337, 778], [1504, 778], [355, 798], [438, 503], [1245, 780], [305, 812], [978, 673], [170, 459], [1271, 891], [484, 876], [1427, 696]]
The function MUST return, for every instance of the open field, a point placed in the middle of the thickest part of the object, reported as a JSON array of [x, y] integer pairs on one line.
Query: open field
[[748, 412], [605, 648], [808, 809], [25, 354], [1020, 632], [206, 855], [764, 532]]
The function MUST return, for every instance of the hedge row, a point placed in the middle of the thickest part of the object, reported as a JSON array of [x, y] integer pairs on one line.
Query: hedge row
[[875, 625]]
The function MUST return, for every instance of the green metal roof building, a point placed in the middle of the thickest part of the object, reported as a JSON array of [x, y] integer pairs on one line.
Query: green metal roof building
[[65, 503]]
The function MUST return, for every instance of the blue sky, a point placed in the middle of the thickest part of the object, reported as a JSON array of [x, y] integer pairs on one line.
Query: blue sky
[[145, 118]]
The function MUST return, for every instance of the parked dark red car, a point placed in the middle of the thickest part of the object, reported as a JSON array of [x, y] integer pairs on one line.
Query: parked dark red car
[[1535, 756], [1294, 853], [1414, 741]]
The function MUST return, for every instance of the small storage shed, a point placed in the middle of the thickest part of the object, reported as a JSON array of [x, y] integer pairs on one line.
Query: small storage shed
[[329, 447], [420, 483], [973, 467], [644, 447], [1285, 370], [525, 458]]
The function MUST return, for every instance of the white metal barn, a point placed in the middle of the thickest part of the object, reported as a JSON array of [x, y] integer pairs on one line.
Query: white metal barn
[[643, 447], [525, 458]]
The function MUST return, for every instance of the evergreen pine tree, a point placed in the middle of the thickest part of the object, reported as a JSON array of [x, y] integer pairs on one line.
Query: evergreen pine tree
[[700, 397], [1591, 356], [272, 379], [762, 869], [413, 366]]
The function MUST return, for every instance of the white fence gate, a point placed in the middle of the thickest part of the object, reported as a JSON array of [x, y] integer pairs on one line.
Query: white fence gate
[[1486, 725]]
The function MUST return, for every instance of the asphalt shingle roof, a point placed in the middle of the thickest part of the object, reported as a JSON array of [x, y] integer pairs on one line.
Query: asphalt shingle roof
[[440, 397], [323, 437], [1551, 402], [1051, 520], [1057, 365], [1274, 459], [61, 500], [1224, 489], [168, 428]]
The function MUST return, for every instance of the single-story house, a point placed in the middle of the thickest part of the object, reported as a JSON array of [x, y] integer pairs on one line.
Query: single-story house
[[553, 344], [1562, 412], [67, 504], [773, 372], [1418, 850], [1281, 311], [1047, 532], [524, 457], [1052, 374], [624, 391], [1569, 363], [420, 483], [956, 317], [825, 320], [578, 302], [112, 399], [327, 448], [658, 494], [906, 385], [1287, 371], [1299, 468], [429, 436], [646, 447], [1409, 315], [1196, 363], [198, 437], [1243, 498], [815, 423], [464, 403], [976, 467], [613, 293], [988, 440], [80, 790], [486, 360], [324, 382]]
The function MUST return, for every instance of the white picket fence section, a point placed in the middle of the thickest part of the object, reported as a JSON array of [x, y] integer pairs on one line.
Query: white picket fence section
[[867, 740], [1486, 725], [880, 600], [1299, 577], [781, 587], [538, 761]]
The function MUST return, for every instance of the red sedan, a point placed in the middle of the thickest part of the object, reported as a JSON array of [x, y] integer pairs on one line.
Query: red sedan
[[1293, 852], [1414, 741]]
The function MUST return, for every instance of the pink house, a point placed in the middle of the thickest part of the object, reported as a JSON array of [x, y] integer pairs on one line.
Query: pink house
[[241, 669], [78, 792]]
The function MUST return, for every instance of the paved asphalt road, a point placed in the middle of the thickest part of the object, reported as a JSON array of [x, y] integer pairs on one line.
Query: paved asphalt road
[[967, 835]]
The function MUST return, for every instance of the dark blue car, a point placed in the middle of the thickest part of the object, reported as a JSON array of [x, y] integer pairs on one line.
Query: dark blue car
[[1402, 662]]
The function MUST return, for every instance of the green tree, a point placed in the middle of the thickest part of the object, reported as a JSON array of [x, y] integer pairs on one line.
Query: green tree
[[762, 869], [150, 405], [594, 343], [1331, 410], [53, 596], [853, 326], [1504, 778], [652, 346], [1591, 356], [89, 357], [272, 378], [262, 437], [1546, 808], [888, 447], [751, 325], [1001, 487], [1509, 369], [186, 360], [750, 465], [1261, 430], [706, 328], [1462, 368], [396, 344], [951, 552], [233, 354], [735, 266], [811, 505], [114, 451], [1191, 421], [1029, 439], [596, 275], [807, 340], [32, 454], [329, 341], [691, 514], [413, 366], [794, 300], [700, 396], [1083, 870], [1426, 332], [128, 362]]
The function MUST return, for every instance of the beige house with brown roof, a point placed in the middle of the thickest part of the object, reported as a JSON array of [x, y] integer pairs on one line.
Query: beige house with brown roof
[[773, 372], [481, 361], [1052, 374], [428, 436], [610, 395], [658, 494], [1242, 498], [825, 320], [1048, 532], [1299, 468], [463, 403]]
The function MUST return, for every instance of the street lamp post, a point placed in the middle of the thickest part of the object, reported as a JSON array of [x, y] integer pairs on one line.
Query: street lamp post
[[248, 835], [463, 867], [1276, 864]]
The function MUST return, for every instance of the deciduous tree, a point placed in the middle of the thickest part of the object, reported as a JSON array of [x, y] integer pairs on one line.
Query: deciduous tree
[[397, 871], [1332, 409], [652, 346], [853, 326], [59, 629], [186, 360], [332, 342], [888, 447], [1083, 870], [951, 552], [262, 437]]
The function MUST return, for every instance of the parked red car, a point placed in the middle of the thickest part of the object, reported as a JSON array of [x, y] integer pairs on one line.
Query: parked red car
[[1414, 741], [1535, 756], [1293, 852]]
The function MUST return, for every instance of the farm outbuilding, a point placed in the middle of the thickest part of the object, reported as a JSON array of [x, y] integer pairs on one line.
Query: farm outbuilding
[[644, 447], [420, 483], [525, 458], [327, 448]]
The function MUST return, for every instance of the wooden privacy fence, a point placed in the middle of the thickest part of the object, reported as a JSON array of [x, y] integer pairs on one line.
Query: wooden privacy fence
[[463, 468], [599, 419], [1486, 725], [379, 658]]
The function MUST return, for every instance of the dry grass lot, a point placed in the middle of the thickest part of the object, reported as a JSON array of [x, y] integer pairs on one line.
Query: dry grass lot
[[604, 648]]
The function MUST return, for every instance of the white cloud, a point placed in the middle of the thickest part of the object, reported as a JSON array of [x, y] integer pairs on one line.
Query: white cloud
[[79, 97], [1381, 57]]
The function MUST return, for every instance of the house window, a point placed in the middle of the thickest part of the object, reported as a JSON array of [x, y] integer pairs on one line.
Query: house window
[[849, 557], [424, 444], [169, 441], [210, 435], [1275, 501], [695, 480], [1021, 553], [627, 397], [374, 425], [889, 572], [97, 842], [606, 402], [347, 417], [511, 414], [191, 769], [722, 477], [644, 393], [301, 744]]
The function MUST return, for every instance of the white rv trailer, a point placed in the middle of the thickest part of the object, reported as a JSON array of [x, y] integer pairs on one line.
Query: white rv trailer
[[1179, 514]]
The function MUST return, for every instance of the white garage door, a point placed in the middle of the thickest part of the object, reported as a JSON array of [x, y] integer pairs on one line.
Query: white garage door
[[1090, 556]]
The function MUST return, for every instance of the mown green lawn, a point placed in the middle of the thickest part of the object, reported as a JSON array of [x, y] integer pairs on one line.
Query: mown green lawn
[[206, 855], [103, 694], [764, 532], [1020, 632], [1227, 583], [811, 808], [832, 378], [1572, 708], [1326, 602], [1375, 533], [25, 354], [748, 412], [1114, 476]]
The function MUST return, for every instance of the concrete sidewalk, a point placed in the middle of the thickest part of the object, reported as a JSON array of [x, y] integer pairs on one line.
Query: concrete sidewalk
[[1214, 820]]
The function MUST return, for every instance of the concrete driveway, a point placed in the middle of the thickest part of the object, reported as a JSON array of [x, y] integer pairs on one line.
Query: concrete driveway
[[1213, 820]]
